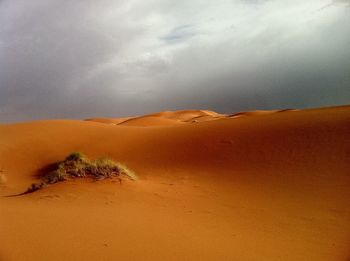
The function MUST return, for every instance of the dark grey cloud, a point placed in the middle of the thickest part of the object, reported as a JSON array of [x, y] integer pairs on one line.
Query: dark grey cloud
[[78, 59]]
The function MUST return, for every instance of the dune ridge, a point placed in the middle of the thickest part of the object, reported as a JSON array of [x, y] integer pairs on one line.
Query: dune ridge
[[163, 118]]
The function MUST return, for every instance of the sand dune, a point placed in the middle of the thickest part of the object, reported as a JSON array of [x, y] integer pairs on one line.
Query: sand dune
[[148, 121], [271, 186], [255, 113], [184, 114], [112, 121], [163, 118]]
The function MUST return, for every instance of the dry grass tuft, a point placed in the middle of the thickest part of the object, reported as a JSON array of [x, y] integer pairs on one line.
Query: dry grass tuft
[[77, 165]]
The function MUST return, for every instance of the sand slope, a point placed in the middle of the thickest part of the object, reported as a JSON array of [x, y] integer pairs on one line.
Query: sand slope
[[271, 186]]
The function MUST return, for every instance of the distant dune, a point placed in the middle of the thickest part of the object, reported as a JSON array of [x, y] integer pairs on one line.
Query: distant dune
[[261, 185], [163, 118], [115, 121]]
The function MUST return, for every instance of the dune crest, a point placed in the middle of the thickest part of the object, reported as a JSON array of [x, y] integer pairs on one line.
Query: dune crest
[[163, 118], [113, 121]]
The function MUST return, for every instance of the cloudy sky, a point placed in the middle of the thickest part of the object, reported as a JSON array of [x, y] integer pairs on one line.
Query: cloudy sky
[[111, 58]]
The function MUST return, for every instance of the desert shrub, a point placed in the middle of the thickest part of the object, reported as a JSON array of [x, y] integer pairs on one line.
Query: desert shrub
[[77, 165], [127, 172], [76, 156], [35, 187], [54, 177]]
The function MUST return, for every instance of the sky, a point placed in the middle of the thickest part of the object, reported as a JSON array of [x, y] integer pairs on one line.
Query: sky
[[112, 58]]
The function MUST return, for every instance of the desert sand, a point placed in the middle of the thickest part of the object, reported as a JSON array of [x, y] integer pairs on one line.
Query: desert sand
[[263, 185]]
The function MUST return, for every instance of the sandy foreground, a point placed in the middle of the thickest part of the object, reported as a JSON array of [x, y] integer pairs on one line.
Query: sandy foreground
[[263, 185]]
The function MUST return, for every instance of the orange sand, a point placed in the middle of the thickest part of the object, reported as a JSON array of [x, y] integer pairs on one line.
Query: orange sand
[[267, 186]]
